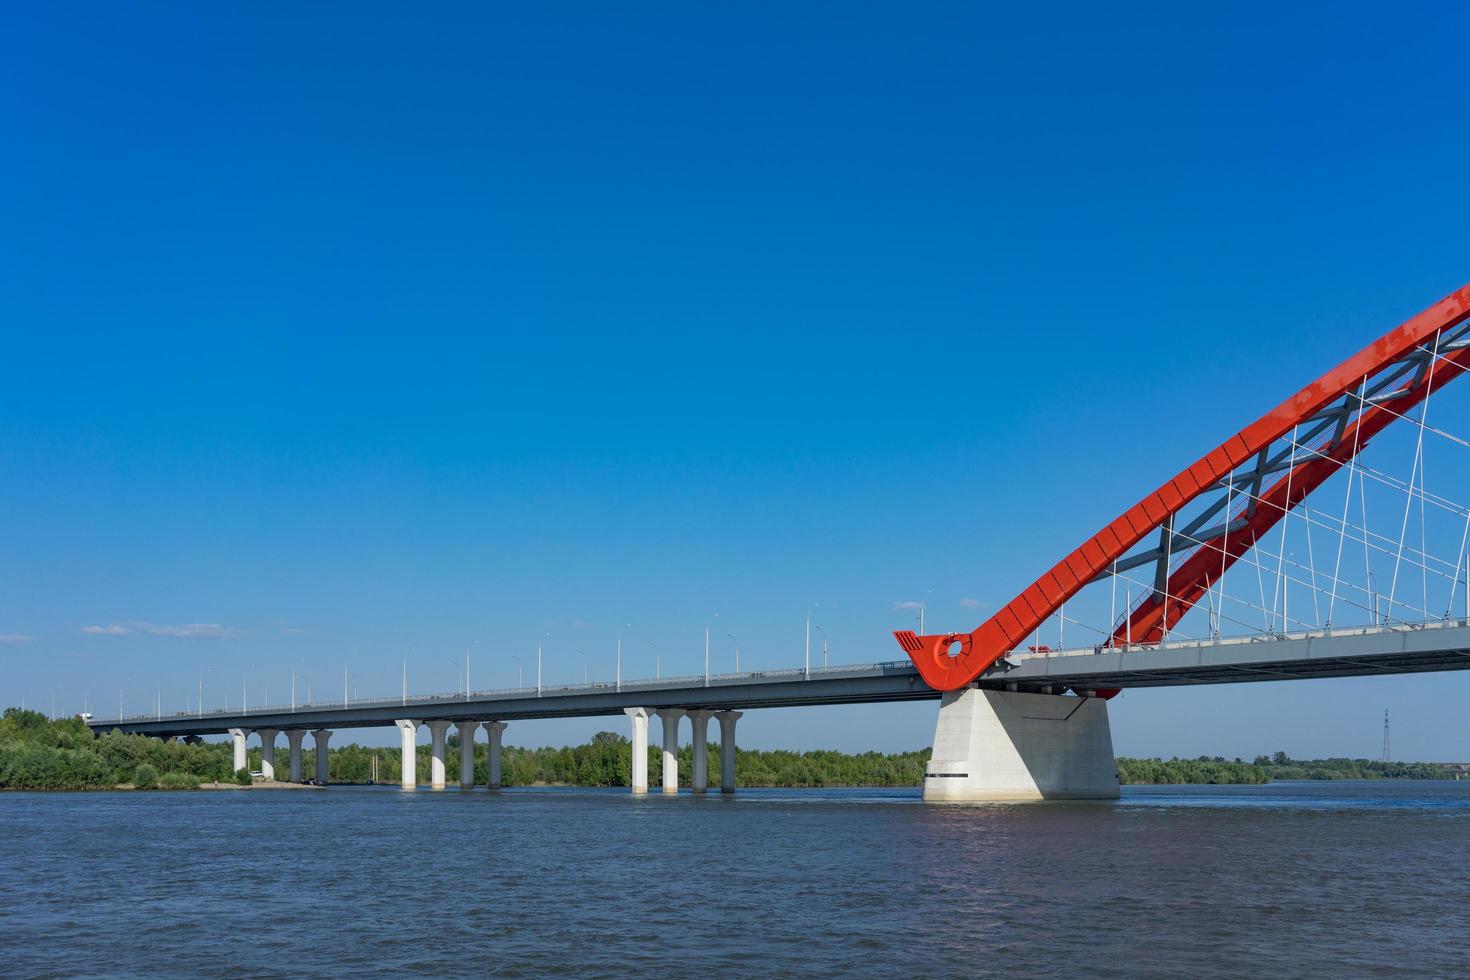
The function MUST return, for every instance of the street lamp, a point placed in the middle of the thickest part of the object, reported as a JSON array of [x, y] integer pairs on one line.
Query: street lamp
[[656, 672], [538, 664], [737, 651], [809, 637], [706, 646], [824, 644], [921, 610], [584, 667], [520, 672], [618, 679]]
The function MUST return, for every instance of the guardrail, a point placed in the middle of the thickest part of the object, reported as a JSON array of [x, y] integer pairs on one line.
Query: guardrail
[[783, 675]]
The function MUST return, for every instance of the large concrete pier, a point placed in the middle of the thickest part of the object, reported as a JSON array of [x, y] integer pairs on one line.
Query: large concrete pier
[[1006, 745]]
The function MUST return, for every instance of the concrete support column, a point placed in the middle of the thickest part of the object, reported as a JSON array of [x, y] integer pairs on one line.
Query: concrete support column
[[727, 749], [237, 735], [699, 769], [639, 718], [293, 739], [408, 732], [437, 730], [493, 730], [267, 751], [1004, 745], [670, 718], [321, 737], [467, 731]]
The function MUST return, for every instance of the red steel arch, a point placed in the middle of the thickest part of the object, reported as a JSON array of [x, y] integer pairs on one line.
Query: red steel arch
[[1341, 411]]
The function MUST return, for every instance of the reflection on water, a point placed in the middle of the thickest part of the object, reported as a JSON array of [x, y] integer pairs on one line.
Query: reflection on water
[[1292, 878]]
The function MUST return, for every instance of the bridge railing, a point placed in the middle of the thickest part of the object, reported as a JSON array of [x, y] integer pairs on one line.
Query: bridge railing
[[1029, 653], [506, 694]]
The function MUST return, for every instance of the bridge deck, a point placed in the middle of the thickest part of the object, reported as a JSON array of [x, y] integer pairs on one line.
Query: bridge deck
[[1339, 653]]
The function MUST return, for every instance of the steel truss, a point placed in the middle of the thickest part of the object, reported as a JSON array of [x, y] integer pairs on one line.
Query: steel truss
[[1248, 484]]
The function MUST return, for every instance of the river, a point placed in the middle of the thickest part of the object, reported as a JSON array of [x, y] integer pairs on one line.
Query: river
[[1289, 878]]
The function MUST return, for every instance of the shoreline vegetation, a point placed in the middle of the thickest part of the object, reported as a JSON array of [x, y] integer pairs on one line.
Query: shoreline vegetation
[[37, 754]]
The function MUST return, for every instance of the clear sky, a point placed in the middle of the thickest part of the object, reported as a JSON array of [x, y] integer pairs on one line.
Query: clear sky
[[343, 333]]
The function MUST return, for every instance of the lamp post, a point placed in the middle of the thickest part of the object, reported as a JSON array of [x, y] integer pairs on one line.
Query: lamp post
[[520, 672], [922, 603], [657, 675], [808, 667], [706, 646], [736, 644], [618, 678], [824, 644], [584, 667]]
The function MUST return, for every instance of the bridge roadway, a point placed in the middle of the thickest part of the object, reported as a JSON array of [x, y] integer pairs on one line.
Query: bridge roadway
[[1352, 652]]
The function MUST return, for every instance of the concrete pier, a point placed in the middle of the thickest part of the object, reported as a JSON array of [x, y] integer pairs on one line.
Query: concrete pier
[[699, 765], [467, 731], [237, 736], [1007, 745], [268, 751], [670, 718], [639, 738], [727, 721], [321, 736], [493, 730], [294, 737], [408, 731], [437, 730]]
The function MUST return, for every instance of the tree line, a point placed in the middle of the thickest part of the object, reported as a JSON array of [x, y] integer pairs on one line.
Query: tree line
[[39, 754]]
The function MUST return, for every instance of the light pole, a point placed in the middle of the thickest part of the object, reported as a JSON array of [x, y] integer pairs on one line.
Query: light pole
[[921, 610], [584, 667], [520, 672], [808, 669], [405, 680], [707, 623], [736, 644], [824, 644], [458, 678], [656, 672], [538, 665], [618, 679]]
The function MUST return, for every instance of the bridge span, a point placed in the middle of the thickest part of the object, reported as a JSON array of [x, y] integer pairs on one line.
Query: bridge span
[[1018, 721], [1359, 651]]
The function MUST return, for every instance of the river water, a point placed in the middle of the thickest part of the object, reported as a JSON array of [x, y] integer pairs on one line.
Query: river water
[[1287, 879]]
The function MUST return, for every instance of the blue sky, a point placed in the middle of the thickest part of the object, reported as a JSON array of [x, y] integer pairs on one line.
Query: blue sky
[[347, 334]]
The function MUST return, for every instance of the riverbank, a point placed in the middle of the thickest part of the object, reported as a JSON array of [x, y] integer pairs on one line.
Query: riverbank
[[38, 754]]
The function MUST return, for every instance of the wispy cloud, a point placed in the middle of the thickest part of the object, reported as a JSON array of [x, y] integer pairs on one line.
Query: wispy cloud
[[183, 631], [908, 604], [13, 639], [969, 603]]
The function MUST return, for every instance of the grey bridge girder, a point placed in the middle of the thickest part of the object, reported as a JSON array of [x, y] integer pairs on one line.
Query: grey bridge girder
[[1341, 653]]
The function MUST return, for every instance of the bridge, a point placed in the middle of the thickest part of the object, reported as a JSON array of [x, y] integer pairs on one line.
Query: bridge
[[1229, 540]]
